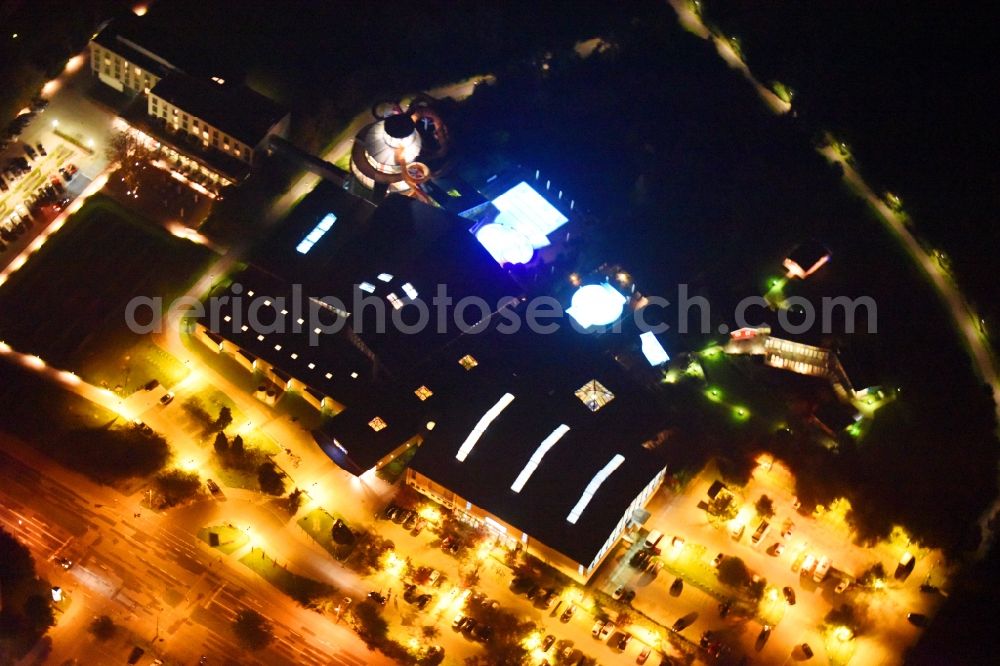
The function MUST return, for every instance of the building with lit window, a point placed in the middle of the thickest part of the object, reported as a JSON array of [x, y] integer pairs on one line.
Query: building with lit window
[[211, 126], [129, 58]]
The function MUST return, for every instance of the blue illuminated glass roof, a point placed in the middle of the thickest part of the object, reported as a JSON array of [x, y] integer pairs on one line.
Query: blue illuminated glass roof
[[317, 232], [526, 210]]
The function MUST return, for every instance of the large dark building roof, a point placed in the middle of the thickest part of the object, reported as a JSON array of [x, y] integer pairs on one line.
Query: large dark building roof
[[153, 43], [403, 245], [234, 109], [543, 373]]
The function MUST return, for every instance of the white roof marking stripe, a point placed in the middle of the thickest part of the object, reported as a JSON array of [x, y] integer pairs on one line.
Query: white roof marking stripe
[[595, 483], [491, 414], [536, 457]]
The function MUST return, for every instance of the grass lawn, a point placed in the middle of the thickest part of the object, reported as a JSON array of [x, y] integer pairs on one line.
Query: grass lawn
[[693, 564], [318, 524], [68, 303], [304, 590], [230, 538], [391, 472]]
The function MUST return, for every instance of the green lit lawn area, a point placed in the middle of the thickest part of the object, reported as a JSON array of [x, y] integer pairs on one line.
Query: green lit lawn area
[[693, 563], [231, 477], [304, 590], [318, 524], [224, 364], [68, 303], [295, 406], [391, 472], [231, 539], [291, 403]]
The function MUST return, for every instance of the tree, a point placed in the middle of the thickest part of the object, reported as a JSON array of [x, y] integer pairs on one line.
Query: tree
[[733, 572], [38, 612], [764, 506], [103, 628], [237, 446], [270, 479], [252, 630], [723, 506], [221, 442], [430, 631], [871, 574], [294, 501], [131, 154], [176, 485], [224, 419], [370, 624]]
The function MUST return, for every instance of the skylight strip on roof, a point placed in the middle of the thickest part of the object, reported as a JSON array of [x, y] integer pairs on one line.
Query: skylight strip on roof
[[491, 414], [316, 233], [536, 457], [595, 483]]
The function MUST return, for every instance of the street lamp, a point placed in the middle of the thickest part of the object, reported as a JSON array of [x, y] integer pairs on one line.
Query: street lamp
[[55, 123]]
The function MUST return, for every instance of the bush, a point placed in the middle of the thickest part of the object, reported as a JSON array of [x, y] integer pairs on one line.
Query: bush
[[103, 628], [733, 572], [764, 506], [270, 479], [252, 630], [176, 485], [113, 454]]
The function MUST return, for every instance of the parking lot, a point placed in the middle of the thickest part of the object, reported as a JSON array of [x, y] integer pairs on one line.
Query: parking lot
[[795, 604]]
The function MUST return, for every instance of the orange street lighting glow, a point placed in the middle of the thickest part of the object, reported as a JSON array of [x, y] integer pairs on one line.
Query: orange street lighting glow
[[50, 88], [74, 64], [140, 10]]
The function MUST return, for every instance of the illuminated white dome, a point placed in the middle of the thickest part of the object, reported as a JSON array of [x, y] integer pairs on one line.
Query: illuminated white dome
[[508, 246], [596, 305]]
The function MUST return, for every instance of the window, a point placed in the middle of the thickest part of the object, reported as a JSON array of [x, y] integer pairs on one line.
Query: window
[[594, 395], [367, 287], [377, 424], [423, 393], [468, 362], [409, 290], [385, 277], [397, 302]]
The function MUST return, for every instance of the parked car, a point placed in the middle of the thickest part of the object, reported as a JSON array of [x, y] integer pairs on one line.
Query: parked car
[[718, 560], [213, 487], [567, 614], [377, 597], [606, 630], [619, 591], [547, 642], [136, 654], [595, 631], [459, 622], [842, 586], [725, 607], [624, 640], [822, 568], [677, 587], [789, 595], [806, 650], [917, 619], [167, 398], [643, 656], [776, 548], [41, 149], [423, 600], [151, 384]]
